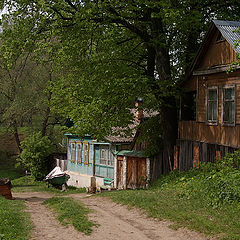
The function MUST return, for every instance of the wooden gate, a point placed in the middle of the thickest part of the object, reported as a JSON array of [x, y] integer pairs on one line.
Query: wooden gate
[[120, 183], [136, 172]]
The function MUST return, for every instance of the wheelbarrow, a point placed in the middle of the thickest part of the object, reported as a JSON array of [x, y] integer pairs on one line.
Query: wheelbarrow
[[57, 178]]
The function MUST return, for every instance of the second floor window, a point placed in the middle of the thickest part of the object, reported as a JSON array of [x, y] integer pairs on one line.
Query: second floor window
[[228, 105], [212, 105]]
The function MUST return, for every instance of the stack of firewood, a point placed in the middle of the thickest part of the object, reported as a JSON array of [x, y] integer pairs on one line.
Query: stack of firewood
[[5, 188]]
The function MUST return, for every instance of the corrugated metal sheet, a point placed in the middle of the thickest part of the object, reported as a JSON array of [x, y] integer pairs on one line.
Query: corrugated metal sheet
[[228, 30]]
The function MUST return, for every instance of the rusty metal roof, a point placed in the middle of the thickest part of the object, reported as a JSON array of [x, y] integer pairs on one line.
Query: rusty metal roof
[[229, 31]]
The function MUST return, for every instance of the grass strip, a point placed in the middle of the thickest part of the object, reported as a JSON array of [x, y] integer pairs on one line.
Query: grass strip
[[28, 184], [69, 211], [14, 222]]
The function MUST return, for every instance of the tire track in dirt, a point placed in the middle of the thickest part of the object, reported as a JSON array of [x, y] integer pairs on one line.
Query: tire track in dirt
[[116, 222]]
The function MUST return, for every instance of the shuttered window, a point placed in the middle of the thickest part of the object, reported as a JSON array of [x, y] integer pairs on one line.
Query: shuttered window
[[229, 105], [212, 105]]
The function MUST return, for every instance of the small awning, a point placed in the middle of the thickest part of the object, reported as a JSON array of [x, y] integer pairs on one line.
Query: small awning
[[132, 153]]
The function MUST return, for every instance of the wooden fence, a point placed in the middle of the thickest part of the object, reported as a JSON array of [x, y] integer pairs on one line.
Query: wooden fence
[[191, 153]]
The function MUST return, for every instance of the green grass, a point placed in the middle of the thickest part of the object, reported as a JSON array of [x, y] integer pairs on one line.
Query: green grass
[[14, 222], [69, 211], [28, 184], [168, 199]]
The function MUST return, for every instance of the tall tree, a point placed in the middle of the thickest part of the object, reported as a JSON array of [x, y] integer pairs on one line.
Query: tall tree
[[25, 75], [110, 52]]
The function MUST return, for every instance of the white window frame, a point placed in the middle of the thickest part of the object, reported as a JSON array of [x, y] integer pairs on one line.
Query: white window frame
[[79, 152], [211, 122], [73, 151], [234, 102], [85, 147], [108, 158]]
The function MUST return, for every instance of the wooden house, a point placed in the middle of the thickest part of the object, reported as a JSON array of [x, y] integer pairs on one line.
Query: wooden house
[[209, 123], [133, 169], [118, 162], [92, 163]]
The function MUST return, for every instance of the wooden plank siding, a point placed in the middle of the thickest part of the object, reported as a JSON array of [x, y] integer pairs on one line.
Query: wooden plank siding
[[136, 172], [207, 153], [223, 135], [217, 80], [218, 53]]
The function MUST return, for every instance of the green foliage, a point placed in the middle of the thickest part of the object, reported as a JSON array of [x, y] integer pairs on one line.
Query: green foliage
[[34, 156], [7, 166], [70, 211], [218, 182], [231, 160], [104, 54], [15, 223]]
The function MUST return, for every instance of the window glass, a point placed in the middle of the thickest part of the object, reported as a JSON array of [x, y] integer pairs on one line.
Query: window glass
[[212, 105], [106, 156], [73, 151], [229, 105], [212, 94], [86, 153], [79, 153]]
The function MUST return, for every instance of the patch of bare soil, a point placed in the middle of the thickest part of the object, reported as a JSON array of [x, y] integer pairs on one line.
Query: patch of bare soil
[[116, 222], [46, 226]]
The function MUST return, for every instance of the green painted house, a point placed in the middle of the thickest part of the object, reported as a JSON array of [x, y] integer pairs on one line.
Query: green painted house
[[91, 162]]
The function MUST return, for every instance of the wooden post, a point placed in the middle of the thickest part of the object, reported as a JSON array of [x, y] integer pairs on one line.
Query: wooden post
[[176, 157], [115, 183], [147, 172], [124, 172], [196, 156]]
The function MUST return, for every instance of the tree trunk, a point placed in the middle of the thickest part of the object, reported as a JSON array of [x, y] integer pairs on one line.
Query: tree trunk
[[45, 122], [16, 135], [168, 108], [46, 116]]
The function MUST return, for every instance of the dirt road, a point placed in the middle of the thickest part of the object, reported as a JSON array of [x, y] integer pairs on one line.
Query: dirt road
[[116, 222]]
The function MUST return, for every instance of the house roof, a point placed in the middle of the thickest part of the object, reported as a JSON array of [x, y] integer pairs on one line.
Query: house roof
[[119, 139], [128, 153], [228, 30], [121, 136]]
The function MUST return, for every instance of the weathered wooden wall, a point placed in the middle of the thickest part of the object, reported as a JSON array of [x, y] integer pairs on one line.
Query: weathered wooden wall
[[218, 53], [136, 172], [159, 166], [218, 80], [217, 134], [207, 153]]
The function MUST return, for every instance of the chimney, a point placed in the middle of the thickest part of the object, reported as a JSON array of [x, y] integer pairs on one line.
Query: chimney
[[139, 110]]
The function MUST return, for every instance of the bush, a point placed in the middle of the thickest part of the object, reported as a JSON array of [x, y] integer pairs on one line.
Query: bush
[[218, 183], [35, 153]]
